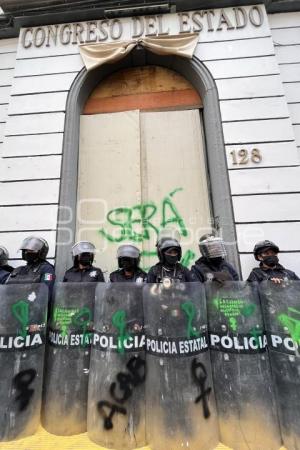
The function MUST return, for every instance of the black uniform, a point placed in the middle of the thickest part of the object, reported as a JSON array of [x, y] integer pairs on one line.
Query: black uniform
[[77, 275], [38, 272], [119, 276], [260, 273], [3, 275], [158, 272], [205, 269], [7, 267]]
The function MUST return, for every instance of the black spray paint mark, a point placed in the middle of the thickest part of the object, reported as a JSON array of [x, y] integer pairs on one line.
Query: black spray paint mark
[[125, 383], [108, 425], [200, 379], [21, 383]]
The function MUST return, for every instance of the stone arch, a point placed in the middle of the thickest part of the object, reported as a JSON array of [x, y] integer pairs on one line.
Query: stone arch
[[199, 76]]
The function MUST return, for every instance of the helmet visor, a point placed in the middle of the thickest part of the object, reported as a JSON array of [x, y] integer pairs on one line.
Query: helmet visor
[[128, 251], [83, 247], [32, 243], [213, 247]]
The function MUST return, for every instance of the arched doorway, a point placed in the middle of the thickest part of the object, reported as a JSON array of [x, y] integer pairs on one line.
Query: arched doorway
[[198, 75], [141, 164]]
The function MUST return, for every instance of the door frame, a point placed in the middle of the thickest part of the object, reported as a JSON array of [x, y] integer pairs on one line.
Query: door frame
[[201, 79]]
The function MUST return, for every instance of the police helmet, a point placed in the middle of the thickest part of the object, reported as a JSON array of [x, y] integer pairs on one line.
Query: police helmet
[[165, 244], [3, 255], [83, 247], [264, 245], [37, 245], [128, 251], [211, 246]]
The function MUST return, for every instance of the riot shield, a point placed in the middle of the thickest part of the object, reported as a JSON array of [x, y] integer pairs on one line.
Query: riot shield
[[281, 309], [180, 406], [67, 359], [241, 371], [23, 318], [116, 400]]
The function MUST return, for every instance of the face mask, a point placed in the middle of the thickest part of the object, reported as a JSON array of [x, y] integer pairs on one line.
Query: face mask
[[29, 257], [216, 261], [127, 263], [171, 260], [271, 260], [85, 259]]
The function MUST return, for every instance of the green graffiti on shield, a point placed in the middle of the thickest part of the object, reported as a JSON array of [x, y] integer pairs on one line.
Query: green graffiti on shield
[[119, 322], [233, 308], [189, 309], [20, 311], [292, 323]]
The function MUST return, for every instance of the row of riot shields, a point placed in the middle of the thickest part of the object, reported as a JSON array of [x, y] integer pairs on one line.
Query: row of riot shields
[[179, 366]]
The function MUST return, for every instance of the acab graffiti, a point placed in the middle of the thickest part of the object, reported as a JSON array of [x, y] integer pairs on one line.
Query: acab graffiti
[[144, 221]]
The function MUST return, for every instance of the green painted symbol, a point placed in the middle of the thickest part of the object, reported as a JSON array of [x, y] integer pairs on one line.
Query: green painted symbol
[[20, 311], [82, 319], [63, 318], [233, 308], [189, 309], [233, 323], [119, 322], [292, 324]]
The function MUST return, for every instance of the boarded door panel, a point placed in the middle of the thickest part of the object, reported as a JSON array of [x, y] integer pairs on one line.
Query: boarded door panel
[[174, 176], [109, 178], [144, 88]]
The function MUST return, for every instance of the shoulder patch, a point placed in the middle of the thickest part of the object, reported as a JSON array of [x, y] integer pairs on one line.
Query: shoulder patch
[[48, 276]]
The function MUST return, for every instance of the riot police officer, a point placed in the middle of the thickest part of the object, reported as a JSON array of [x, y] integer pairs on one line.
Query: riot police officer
[[269, 268], [211, 266], [128, 260], [3, 260], [83, 253], [37, 269], [168, 268]]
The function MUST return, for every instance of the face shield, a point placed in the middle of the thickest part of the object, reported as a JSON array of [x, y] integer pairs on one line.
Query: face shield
[[128, 251], [33, 244], [83, 247], [212, 247]]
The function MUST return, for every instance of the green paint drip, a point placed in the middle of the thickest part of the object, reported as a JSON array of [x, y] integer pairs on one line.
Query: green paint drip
[[119, 322], [292, 324], [82, 320], [189, 309], [20, 311]]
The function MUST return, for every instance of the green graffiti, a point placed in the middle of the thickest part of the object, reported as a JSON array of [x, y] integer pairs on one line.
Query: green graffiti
[[82, 320], [232, 308], [292, 324], [189, 309], [63, 318], [124, 220], [20, 311], [187, 258], [233, 323], [119, 322]]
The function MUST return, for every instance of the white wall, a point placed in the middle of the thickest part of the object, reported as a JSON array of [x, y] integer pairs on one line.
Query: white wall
[[258, 86], [255, 114]]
